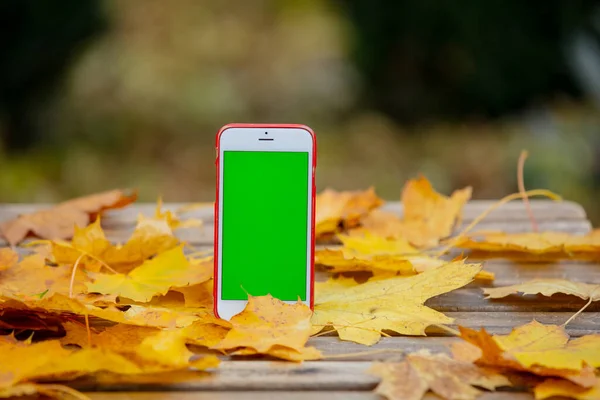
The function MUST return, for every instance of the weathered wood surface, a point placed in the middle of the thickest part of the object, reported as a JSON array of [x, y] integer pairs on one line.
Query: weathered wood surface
[[344, 375]]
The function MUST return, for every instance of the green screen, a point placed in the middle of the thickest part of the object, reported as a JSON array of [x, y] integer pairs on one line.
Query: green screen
[[265, 224]]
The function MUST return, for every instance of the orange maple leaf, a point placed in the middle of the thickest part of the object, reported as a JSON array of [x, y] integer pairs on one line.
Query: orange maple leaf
[[270, 326], [342, 210], [543, 350], [428, 215]]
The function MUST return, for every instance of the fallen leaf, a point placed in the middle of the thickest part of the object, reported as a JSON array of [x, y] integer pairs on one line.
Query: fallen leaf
[[199, 295], [534, 245], [150, 237], [8, 258], [336, 210], [267, 322], [360, 312], [428, 215], [58, 222], [31, 277], [369, 252], [205, 334], [120, 337], [563, 388], [172, 219], [422, 371], [544, 350], [547, 287], [156, 276], [62, 306], [52, 391]]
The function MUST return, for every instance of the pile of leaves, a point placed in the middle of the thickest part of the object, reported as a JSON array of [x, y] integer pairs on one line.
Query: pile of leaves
[[74, 304]]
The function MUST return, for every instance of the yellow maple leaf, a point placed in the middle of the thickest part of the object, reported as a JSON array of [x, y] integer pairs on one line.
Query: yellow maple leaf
[[422, 371], [547, 287], [156, 276], [60, 305], [31, 277], [205, 334], [428, 215], [164, 351], [369, 252], [120, 337], [199, 295], [8, 258], [51, 391], [270, 326], [563, 388], [534, 245], [150, 237], [544, 350], [360, 312], [173, 219], [336, 210]]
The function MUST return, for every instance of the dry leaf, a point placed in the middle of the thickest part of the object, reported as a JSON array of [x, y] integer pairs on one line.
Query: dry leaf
[[422, 371], [120, 337], [8, 258], [62, 306], [149, 238], [535, 245], [51, 391], [563, 388], [369, 252], [199, 295], [335, 210], [31, 277], [547, 287], [544, 350], [428, 215], [205, 334], [270, 326], [360, 312], [58, 222], [172, 219], [156, 276]]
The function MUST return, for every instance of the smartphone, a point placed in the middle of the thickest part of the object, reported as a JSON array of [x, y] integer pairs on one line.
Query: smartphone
[[264, 215]]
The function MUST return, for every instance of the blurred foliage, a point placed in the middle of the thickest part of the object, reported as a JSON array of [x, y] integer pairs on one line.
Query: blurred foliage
[[37, 44], [447, 59], [139, 103]]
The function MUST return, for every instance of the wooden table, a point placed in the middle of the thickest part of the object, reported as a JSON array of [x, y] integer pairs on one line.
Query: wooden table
[[346, 379]]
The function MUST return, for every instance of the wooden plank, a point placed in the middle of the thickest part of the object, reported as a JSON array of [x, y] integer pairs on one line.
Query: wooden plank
[[564, 216], [472, 299], [500, 323], [203, 235], [279, 395], [255, 377], [515, 210], [245, 375], [543, 210]]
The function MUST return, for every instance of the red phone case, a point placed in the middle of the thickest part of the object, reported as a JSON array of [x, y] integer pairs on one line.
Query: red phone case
[[312, 217]]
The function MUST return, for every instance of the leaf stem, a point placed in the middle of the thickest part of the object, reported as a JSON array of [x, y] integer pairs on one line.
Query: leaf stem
[[501, 202], [591, 299], [521, 184], [72, 282]]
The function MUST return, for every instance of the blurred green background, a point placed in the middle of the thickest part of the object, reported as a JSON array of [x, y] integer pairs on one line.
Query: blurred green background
[[97, 94]]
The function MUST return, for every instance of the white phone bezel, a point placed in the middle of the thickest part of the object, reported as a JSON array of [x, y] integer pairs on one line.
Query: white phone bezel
[[247, 139]]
